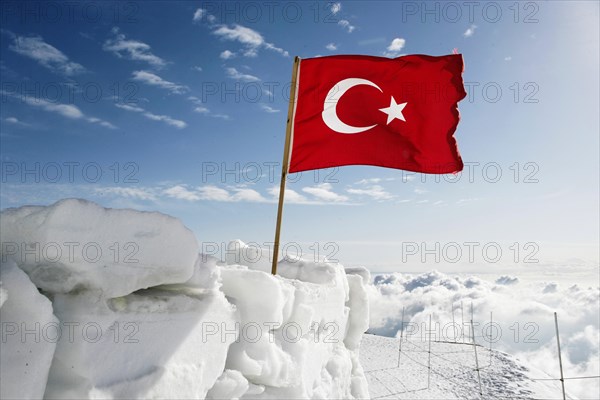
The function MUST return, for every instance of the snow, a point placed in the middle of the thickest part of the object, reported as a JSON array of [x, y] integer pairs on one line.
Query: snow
[[174, 323], [359, 319], [28, 336], [453, 372], [77, 245], [294, 328], [230, 385], [148, 344]]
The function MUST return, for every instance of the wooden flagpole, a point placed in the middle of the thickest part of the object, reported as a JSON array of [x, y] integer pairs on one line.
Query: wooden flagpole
[[286, 160]]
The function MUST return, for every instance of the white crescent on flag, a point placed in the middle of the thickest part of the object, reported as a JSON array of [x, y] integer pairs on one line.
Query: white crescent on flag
[[334, 95]]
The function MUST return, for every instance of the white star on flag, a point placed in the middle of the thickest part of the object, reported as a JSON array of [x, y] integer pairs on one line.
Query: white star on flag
[[394, 111]]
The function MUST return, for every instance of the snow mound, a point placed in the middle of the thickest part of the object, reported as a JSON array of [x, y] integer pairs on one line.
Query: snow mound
[[149, 344], [230, 385], [174, 323], [28, 336], [75, 245], [300, 330]]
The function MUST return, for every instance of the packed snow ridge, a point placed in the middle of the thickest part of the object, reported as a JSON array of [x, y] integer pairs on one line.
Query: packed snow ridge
[[106, 303]]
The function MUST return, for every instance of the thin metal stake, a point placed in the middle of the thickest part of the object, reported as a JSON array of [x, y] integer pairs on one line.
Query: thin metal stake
[[462, 322], [562, 378], [401, 336], [491, 327], [429, 358], [476, 359], [453, 324]]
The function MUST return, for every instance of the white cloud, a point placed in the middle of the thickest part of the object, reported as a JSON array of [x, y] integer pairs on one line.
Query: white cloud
[[344, 23], [235, 74], [45, 54], [395, 47], [331, 47], [198, 14], [197, 68], [135, 193], [166, 119], [241, 34], [367, 181], [214, 193], [226, 55], [470, 31], [377, 192], [154, 80], [397, 44], [65, 110], [240, 194], [323, 191], [202, 13], [132, 49], [269, 109], [508, 58], [155, 117], [250, 195], [205, 111], [251, 39], [101, 122], [507, 280], [180, 192], [130, 108], [15, 121], [291, 196], [195, 100], [335, 8]]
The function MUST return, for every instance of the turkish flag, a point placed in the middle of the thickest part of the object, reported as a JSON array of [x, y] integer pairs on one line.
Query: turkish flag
[[361, 110]]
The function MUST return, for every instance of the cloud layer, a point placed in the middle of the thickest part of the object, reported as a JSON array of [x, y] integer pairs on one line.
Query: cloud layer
[[522, 317]]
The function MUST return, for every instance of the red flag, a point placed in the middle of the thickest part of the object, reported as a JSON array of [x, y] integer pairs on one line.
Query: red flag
[[361, 110]]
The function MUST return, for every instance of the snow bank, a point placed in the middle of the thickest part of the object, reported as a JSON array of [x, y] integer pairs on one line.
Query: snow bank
[[28, 336], [299, 330], [230, 385], [175, 324], [75, 244], [149, 344]]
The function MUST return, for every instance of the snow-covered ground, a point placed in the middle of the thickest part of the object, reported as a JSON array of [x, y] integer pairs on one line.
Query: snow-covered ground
[[128, 308], [401, 372]]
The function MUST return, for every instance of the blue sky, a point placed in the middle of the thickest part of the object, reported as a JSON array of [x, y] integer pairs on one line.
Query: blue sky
[[180, 107]]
